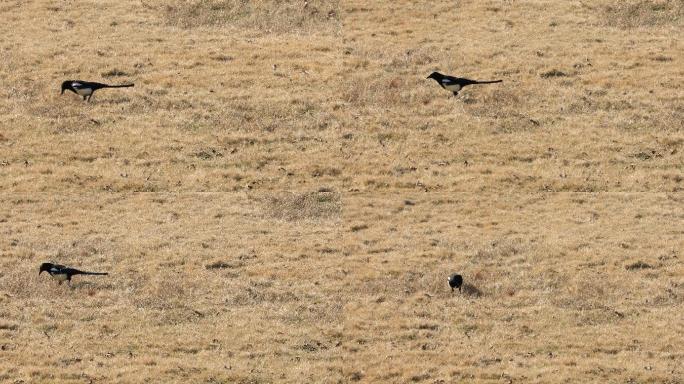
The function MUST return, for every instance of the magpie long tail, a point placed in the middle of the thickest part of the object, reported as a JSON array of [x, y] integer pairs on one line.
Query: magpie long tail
[[488, 82], [90, 273], [119, 86]]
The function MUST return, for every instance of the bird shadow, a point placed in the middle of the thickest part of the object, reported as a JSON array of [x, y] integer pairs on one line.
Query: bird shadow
[[471, 290]]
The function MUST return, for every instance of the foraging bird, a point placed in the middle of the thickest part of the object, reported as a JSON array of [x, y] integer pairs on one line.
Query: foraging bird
[[455, 281], [87, 88], [455, 84], [62, 273]]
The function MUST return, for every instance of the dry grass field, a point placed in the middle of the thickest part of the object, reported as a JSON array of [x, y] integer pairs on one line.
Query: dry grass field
[[282, 195]]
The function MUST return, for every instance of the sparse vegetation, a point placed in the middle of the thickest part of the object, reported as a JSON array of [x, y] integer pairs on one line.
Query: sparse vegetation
[[272, 16], [303, 206], [644, 13], [283, 194], [114, 73]]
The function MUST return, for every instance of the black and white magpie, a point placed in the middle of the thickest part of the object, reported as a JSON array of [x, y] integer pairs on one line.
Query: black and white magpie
[[62, 273], [87, 88], [455, 84], [455, 281]]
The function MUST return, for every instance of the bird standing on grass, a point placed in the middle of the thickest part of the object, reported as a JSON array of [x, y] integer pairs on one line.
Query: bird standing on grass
[[455, 281], [62, 273], [455, 84], [87, 88]]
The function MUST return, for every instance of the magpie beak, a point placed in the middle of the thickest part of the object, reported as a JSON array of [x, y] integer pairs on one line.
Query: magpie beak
[[87, 88], [62, 273], [455, 84]]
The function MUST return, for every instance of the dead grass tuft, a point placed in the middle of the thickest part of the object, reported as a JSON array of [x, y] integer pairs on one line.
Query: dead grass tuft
[[638, 265], [222, 265], [8, 326], [553, 73], [115, 73], [305, 206]]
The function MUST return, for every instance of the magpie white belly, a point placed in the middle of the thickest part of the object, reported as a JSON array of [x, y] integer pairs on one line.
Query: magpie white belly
[[60, 276], [453, 87], [84, 91]]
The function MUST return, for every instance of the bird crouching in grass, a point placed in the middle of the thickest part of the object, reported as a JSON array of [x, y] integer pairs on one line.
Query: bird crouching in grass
[[455, 281], [62, 273], [455, 84], [87, 88]]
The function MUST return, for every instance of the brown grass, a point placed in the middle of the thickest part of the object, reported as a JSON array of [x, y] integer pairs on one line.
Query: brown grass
[[266, 15], [640, 13], [282, 195], [302, 206]]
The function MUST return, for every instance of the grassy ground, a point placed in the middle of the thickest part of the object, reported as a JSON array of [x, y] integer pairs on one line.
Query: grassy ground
[[282, 195]]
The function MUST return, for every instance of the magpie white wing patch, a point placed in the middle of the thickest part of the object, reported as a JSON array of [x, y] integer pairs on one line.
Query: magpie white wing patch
[[76, 85]]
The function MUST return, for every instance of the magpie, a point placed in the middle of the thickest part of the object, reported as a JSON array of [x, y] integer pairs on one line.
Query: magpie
[[62, 273], [455, 281], [455, 84], [87, 88]]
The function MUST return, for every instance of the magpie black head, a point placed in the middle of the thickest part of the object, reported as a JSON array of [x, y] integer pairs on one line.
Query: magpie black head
[[45, 267], [435, 75], [66, 85]]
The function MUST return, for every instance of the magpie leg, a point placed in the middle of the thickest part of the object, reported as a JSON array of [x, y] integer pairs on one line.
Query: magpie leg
[[455, 94]]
